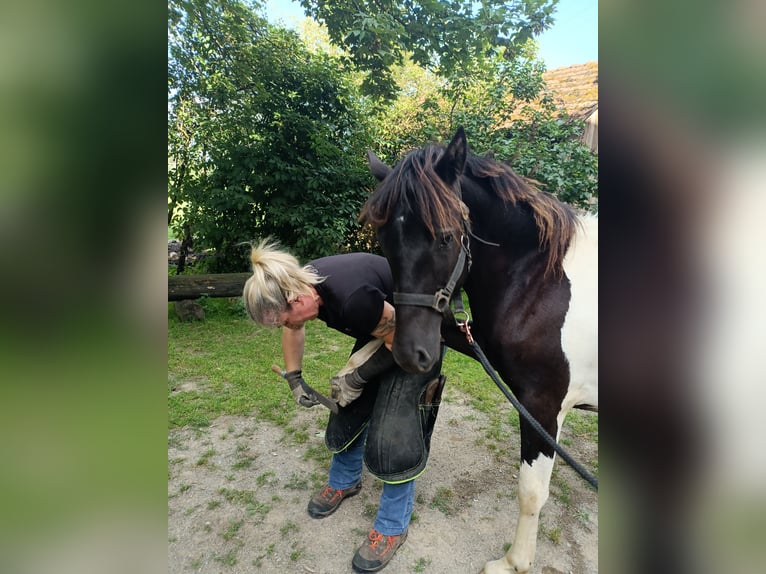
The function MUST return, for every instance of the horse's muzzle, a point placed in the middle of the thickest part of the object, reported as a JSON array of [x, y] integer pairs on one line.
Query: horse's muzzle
[[414, 358]]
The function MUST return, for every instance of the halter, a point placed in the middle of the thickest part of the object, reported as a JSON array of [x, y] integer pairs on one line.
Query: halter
[[440, 300]]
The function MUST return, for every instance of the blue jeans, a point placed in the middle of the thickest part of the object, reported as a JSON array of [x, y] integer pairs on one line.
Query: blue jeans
[[396, 500]]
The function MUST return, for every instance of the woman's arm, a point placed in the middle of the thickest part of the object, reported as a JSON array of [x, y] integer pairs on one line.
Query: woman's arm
[[293, 342], [386, 325]]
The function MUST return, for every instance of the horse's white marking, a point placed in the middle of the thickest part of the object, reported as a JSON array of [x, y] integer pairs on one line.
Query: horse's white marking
[[534, 486], [579, 339], [579, 335], [534, 483]]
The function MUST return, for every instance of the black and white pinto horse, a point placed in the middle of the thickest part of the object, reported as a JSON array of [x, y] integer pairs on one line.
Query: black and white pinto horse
[[529, 268]]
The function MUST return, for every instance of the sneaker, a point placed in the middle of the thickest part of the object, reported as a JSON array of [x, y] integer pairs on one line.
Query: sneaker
[[327, 500], [374, 554]]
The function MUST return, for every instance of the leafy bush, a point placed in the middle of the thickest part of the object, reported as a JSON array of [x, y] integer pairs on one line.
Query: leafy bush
[[506, 113], [265, 137]]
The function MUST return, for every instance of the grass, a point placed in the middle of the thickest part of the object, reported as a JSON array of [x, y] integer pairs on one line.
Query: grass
[[560, 488], [222, 366], [228, 359], [232, 529], [297, 482], [243, 463], [443, 501], [205, 458], [266, 478], [246, 498], [287, 528], [297, 554], [228, 559], [226, 362], [582, 424], [469, 377], [554, 535], [318, 453], [370, 510], [244, 458]]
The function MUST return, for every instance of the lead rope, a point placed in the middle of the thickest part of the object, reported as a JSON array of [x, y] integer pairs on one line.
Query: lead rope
[[465, 327]]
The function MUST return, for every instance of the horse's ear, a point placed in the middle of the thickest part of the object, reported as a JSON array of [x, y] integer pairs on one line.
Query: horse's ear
[[379, 169], [452, 163]]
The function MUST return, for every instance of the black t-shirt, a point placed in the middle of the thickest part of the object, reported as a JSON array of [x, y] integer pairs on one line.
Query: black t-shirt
[[357, 284]]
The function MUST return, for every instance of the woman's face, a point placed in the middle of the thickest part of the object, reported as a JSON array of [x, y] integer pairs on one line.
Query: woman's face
[[301, 309]]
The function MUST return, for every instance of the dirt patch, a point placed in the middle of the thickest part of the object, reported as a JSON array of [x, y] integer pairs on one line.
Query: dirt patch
[[238, 489]]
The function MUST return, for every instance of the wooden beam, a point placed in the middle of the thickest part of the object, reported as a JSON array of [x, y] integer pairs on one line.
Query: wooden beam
[[182, 287]]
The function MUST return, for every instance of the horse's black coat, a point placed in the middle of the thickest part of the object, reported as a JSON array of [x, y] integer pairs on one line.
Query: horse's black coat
[[518, 293]]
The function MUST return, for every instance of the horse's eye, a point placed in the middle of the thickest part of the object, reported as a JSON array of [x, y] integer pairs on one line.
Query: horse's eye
[[446, 240]]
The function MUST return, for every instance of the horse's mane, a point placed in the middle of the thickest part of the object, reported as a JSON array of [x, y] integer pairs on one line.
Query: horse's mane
[[555, 220], [415, 185]]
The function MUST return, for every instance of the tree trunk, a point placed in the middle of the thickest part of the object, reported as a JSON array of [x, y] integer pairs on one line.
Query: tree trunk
[[214, 285], [186, 245]]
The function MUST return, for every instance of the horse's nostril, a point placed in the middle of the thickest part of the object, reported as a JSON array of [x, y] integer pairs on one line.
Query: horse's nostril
[[423, 358], [413, 359]]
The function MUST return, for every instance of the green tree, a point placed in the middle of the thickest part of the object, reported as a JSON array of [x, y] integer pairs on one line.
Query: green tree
[[449, 37], [265, 137], [506, 112], [511, 115]]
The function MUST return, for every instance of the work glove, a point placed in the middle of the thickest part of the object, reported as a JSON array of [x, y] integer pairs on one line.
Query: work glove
[[367, 363], [294, 379], [346, 388]]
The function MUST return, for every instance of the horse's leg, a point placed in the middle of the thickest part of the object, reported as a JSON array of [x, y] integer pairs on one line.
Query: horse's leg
[[534, 483], [537, 460]]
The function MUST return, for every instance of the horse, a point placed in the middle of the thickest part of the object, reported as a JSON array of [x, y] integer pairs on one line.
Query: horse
[[528, 265]]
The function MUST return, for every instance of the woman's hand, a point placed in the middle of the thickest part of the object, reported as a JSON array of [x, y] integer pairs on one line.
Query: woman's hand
[[294, 379]]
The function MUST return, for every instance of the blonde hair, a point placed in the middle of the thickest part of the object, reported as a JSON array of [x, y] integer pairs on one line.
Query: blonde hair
[[277, 279]]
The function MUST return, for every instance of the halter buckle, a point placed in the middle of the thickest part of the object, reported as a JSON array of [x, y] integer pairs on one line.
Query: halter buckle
[[441, 300]]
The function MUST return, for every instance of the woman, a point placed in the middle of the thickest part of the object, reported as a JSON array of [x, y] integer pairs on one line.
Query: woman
[[351, 293]]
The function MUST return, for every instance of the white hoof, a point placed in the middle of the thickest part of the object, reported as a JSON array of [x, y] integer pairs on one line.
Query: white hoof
[[498, 567]]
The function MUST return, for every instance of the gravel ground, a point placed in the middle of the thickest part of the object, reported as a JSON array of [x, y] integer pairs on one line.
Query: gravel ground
[[238, 489]]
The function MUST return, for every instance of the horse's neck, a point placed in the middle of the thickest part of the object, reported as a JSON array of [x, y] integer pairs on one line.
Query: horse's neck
[[505, 249], [510, 227]]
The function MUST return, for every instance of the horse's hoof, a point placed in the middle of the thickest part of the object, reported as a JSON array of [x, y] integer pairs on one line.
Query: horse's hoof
[[500, 566]]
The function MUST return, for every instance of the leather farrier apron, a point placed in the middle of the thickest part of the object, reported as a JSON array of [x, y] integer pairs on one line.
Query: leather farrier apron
[[399, 409]]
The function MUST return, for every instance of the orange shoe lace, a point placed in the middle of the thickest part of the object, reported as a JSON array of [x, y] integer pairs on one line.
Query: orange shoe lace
[[375, 537], [331, 495]]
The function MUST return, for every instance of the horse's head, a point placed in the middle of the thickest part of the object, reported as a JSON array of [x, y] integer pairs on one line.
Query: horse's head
[[421, 222]]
